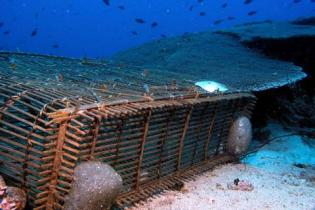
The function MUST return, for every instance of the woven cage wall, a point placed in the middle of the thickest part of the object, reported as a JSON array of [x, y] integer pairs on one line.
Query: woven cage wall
[[144, 142], [154, 128]]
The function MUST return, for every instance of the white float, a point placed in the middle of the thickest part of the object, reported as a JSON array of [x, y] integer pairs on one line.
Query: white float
[[211, 86]]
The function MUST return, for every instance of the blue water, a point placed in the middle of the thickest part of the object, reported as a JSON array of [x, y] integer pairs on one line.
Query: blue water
[[94, 29]]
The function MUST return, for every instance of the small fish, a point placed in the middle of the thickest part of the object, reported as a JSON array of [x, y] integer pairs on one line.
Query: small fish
[[312, 1], [297, 1], [7, 32], [200, 1], [140, 20], [1, 24], [224, 5], [154, 24], [106, 2], [231, 18], [163, 36], [202, 14], [248, 1], [34, 32], [121, 7], [134, 33], [217, 22], [191, 8], [251, 13], [55, 46]]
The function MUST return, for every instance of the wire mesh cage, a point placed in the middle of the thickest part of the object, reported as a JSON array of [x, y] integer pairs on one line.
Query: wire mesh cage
[[152, 126]]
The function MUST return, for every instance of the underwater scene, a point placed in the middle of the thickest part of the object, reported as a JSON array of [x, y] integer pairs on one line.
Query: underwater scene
[[157, 105]]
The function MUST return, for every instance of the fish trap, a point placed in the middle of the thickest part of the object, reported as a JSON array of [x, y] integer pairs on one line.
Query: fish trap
[[154, 129]]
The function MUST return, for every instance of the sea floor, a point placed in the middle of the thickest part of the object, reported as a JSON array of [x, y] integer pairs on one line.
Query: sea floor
[[282, 174]]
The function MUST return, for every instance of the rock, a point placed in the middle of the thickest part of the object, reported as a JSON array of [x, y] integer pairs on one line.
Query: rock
[[11, 197], [3, 187], [95, 187], [17, 197], [241, 185], [240, 135]]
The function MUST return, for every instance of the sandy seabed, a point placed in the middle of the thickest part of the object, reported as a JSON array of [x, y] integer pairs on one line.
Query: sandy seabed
[[278, 183]]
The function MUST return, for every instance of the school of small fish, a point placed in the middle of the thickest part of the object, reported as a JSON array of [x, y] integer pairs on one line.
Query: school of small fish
[[138, 20]]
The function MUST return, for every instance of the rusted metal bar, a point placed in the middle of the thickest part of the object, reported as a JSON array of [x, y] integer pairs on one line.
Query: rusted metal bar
[[96, 129], [180, 150], [56, 165], [143, 141], [210, 132]]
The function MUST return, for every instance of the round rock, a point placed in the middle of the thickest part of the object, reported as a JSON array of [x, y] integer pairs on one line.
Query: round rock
[[240, 136], [95, 187]]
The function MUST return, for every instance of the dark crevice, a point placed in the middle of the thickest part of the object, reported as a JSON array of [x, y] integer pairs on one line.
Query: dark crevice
[[305, 22], [292, 105]]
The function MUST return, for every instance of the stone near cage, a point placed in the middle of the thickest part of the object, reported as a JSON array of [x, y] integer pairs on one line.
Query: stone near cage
[[16, 197], [240, 136], [11, 197], [3, 186], [95, 187]]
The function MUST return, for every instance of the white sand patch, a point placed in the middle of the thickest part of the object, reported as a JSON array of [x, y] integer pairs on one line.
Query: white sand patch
[[280, 155], [277, 183], [210, 192]]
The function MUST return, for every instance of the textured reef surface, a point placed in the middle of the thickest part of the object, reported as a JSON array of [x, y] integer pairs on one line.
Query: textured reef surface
[[271, 30], [223, 56]]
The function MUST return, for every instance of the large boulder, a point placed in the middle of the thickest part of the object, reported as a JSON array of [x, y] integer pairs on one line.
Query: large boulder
[[95, 187]]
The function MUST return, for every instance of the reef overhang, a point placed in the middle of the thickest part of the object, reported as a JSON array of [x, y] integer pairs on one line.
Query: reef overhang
[[223, 56]]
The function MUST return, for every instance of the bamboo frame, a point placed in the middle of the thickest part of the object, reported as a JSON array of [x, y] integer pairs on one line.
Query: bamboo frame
[[151, 142]]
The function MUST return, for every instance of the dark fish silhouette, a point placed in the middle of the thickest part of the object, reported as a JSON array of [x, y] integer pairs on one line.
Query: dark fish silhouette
[[140, 20], [1, 24], [6, 32], [202, 14], [231, 18], [34, 32], [313, 1], [200, 1], [224, 5], [248, 1], [55, 46], [307, 21], [217, 22], [163, 36], [121, 7], [251, 13], [297, 1], [106, 2], [154, 24], [134, 33], [191, 8]]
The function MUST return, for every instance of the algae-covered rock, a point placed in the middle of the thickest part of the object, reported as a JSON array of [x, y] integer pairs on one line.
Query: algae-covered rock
[[17, 197], [95, 187], [240, 136]]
